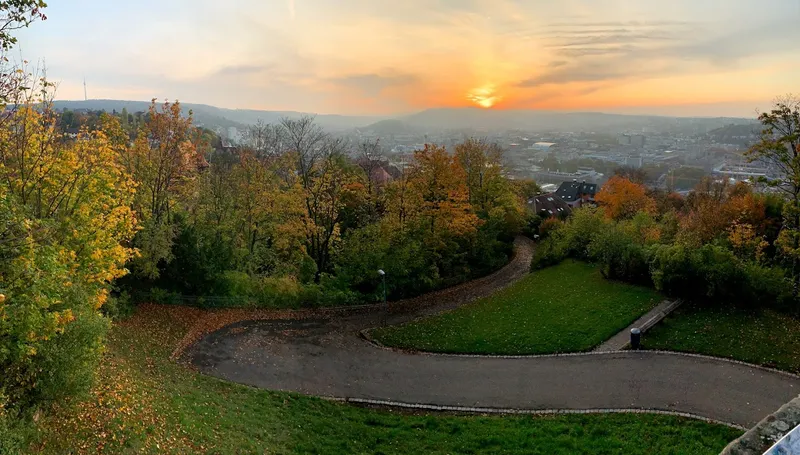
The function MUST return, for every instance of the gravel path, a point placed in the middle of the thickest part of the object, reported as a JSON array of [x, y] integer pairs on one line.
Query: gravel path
[[322, 354]]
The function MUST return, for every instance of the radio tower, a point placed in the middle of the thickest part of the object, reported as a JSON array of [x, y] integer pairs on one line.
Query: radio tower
[[85, 98]]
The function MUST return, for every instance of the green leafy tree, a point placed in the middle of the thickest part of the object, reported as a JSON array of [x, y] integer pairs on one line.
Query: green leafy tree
[[780, 147]]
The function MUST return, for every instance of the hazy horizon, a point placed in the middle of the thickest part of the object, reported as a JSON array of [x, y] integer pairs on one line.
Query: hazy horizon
[[356, 57], [660, 111]]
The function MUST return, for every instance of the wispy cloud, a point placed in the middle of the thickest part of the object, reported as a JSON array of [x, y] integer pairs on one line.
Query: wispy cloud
[[365, 56]]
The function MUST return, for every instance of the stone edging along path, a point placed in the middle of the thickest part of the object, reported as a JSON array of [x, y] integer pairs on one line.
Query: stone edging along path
[[511, 411]]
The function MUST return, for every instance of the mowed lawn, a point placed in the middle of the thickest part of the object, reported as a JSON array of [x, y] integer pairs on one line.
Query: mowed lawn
[[566, 308], [767, 338], [145, 404]]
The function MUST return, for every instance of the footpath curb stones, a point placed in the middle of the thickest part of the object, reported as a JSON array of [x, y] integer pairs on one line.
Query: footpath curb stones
[[508, 411]]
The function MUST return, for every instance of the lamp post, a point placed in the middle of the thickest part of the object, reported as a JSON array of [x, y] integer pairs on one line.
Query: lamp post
[[383, 275]]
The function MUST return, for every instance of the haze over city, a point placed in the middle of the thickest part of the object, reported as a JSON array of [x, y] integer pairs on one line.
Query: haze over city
[[687, 58]]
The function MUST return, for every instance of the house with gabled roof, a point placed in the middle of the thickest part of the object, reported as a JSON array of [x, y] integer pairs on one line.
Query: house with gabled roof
[[577, 193], [549, 205]]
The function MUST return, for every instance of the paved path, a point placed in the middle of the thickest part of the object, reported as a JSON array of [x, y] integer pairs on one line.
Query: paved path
[[622, 339], [324, 356]]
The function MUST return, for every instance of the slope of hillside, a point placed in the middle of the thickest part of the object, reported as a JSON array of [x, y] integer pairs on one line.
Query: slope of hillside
[[215, 116]]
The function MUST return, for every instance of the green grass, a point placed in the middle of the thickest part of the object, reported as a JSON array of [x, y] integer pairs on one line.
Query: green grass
[[766, 338], [143, 403], [566, 308]]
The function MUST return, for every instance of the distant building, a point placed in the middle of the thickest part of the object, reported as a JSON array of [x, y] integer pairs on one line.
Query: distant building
[[577, 193], [543, 146], [549, 205], [740, 172], [634, 162], [637, 140]]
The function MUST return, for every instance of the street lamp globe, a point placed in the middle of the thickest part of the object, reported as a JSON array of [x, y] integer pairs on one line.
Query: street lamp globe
[[381, 272]]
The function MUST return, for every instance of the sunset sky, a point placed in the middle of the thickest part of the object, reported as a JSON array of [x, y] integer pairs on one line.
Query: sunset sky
[[695, 57]]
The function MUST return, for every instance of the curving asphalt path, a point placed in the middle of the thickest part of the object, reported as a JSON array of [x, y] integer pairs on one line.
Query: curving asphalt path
[[325, 356]]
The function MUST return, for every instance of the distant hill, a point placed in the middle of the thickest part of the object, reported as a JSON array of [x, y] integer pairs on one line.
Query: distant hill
[[491, 119], [211, 116], [743, 134], [437, 119], [389, 127]]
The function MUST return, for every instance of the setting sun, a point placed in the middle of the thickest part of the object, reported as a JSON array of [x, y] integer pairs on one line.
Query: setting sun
[[485, 96]]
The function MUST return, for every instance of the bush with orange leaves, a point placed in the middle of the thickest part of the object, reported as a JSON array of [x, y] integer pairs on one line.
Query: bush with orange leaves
[[622, 199]]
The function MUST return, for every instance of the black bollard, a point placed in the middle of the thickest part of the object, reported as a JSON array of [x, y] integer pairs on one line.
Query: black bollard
[[636, 338]]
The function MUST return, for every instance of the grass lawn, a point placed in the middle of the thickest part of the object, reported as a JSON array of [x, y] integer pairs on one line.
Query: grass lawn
[[565, 308], [143, 403], [767, 338]]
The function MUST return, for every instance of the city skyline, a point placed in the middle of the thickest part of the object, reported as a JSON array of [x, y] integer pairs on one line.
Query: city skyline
[[360, 58]]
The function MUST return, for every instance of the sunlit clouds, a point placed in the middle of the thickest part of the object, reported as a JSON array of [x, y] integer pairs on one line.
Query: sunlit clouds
[[485, 96], [367, 57]]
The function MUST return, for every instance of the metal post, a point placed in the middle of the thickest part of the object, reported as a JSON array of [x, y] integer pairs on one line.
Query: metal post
[[636, 338], [385, 309]]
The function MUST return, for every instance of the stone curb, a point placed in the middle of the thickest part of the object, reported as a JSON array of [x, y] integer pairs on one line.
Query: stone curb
[[509, 411], [365, 335]]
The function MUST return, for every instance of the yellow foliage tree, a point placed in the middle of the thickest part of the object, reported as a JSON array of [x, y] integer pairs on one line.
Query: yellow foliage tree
[[163, 160], [439, 192], [65, 225]]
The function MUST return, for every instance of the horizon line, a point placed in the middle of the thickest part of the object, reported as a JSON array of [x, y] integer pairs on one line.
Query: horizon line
[[400, 115]]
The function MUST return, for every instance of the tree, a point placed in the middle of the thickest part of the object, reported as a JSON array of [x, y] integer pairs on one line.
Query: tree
[[780, 147], [264, 139], [369, 159], [438, 185], [65, 221], [780, 144], [327, 181], [331, 188], [17, 14], [162, 160], [623, 199], [482, 165]]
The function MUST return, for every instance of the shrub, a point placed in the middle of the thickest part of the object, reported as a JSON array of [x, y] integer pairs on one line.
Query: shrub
[[119, 307], [618, 256], [549, 252], [548, 226]]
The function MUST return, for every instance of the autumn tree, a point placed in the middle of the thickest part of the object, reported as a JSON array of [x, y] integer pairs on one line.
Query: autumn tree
[[437, 184], [327, 181], [780, 144], [369, 159], [65, 221], [400, 201], [779, 147], [623, 199], [265, 140], [163, 160], [482, 166]]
